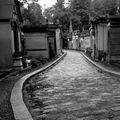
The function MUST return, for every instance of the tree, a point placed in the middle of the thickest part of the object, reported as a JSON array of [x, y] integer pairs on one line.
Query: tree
[[59, 10], [77, 11], [104, 7], [80, 11], [33, 15], [48, 13]]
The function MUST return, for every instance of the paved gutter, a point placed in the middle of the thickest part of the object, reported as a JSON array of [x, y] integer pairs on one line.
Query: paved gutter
[[19, 108], [101, 67]]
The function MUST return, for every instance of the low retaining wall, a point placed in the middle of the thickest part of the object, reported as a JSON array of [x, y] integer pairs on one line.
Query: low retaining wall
[[19, 108]]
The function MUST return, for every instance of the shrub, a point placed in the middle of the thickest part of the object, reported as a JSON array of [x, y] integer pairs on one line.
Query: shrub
[[34, 63], [88, 51]]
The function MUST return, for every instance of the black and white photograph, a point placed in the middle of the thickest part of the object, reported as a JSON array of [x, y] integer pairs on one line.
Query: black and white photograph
[[59, 59]]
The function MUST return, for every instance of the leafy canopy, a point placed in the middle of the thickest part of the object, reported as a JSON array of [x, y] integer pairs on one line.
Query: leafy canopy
[[32, 15]]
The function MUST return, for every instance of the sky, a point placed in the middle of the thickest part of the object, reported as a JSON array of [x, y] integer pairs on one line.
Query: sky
[[46, 3]]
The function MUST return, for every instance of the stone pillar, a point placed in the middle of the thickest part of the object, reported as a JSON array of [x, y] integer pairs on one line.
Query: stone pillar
[[17, 58], [18, 63]]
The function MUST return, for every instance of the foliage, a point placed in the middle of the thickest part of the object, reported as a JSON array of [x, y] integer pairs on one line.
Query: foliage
[[48, 13], [77, 11], [33, 15], [55, 12], [80, 10], [59, 12], [104, 7], [59, 9]]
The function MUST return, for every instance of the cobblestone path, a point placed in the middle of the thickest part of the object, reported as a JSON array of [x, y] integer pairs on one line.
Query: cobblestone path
[[76, 90]]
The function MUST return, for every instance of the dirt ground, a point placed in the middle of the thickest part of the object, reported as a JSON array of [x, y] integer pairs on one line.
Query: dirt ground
[[6, 86]]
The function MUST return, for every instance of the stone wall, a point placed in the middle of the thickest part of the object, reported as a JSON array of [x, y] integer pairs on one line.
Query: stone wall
[[37, 45], [6, 45]]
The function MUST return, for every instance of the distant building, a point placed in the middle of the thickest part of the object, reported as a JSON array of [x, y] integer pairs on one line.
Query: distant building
[[70, 42], [85, 40], [99, 37], [75, 40], [44, 41], [105, 38], [54, 39]]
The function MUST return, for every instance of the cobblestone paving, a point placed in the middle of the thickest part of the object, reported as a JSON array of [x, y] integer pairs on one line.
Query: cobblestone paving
[[75, 90]]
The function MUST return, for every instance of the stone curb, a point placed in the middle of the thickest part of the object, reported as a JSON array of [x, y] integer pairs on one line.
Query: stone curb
[[100, 67], [115, 109], [19, 108]]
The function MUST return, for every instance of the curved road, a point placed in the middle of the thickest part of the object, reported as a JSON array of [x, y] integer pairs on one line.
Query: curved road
[[76, 90]]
